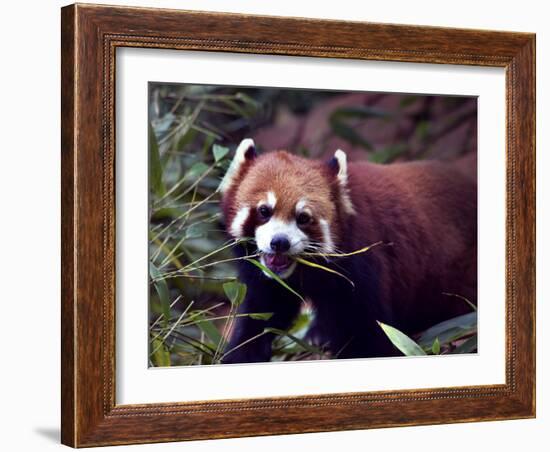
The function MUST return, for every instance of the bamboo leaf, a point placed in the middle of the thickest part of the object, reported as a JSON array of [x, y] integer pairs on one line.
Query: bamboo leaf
[[235, 292], [436, 347], [241, 111], [194, 231], [275, 277], [161, 356], [197, 170], [422, 130], [468, 346], [248, 100], [408, 100], [260, 315], [155, 165], [219, 152], [403, 342], [163, 292], [346, 132], [322, 267], [468, 302], [449, 330], [210, 330], [302, 323], [308, 347], [388, 154], [162, 125]]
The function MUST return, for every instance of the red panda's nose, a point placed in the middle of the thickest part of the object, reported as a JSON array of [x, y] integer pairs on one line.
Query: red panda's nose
[[279, 243]]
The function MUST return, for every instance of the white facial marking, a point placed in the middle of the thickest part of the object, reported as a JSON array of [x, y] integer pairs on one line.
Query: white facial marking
[[271, 199], [328, 243], [236, 163], [301, 204], [301, 207], [265, 233], [342, 177], [236, 228]]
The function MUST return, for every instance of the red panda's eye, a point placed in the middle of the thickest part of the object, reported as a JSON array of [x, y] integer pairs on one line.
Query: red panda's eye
[[264, 211], [303, 218]]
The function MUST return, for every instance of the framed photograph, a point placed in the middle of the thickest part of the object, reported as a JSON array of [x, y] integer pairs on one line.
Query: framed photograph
[[282, 225]]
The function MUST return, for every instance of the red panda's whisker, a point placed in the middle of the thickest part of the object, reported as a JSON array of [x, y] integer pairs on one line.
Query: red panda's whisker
[[352, 253], [321, 248], [297, 242]]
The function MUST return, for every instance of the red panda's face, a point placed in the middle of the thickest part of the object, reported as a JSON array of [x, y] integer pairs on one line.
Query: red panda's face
[[282, 202]]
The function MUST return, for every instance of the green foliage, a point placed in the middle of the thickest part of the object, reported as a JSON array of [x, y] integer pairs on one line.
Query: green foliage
[[436, 347], [194, 295], [453, 336], [450, 330], [155, 166], [388, 154], [275, 277], [208, 328], [323, 268], [403, 342], [219, 152], [305, 345], [160, 354], [468, 346], [344, 121], [162, 290], [235, 291], [191, 266], [293, 345]]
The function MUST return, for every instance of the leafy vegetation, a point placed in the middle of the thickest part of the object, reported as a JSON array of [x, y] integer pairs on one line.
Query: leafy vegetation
[[457, 335], [194, 294]]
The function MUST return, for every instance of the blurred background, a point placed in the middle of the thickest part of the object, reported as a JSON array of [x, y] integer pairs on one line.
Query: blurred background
[[193, 132]]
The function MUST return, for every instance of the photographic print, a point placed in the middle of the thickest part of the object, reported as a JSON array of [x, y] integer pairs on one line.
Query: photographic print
[[295, 224]]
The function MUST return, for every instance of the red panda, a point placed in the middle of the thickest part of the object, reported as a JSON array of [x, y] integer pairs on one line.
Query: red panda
[[287, 205]]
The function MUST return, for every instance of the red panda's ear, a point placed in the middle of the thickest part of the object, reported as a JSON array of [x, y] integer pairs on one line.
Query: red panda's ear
[[338, 167], [246, 152]]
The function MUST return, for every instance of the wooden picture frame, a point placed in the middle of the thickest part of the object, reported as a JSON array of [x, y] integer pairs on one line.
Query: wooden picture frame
[[90, 36]]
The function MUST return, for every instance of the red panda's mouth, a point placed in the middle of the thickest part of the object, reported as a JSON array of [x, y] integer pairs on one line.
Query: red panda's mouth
[[278, 263]]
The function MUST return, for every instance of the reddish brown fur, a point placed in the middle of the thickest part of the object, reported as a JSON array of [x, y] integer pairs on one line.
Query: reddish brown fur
[[426, 210], [291, 178]]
